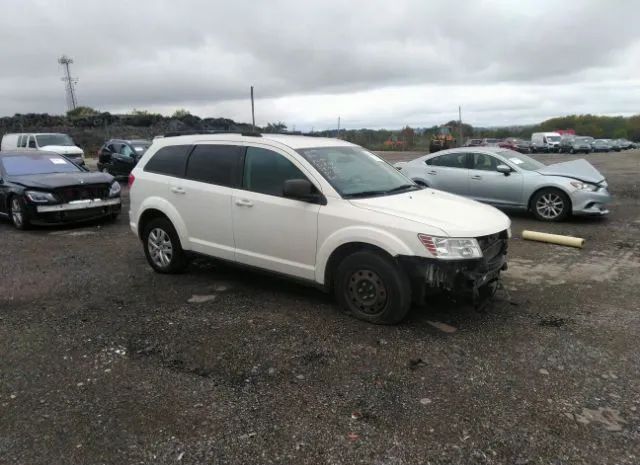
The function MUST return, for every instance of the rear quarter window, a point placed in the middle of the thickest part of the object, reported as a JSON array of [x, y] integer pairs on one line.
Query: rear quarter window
[[170, 161]]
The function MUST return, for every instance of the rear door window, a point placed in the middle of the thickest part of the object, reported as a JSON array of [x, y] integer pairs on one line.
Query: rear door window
[[216, 164], [450, 160], [265, 171], [170, 161]]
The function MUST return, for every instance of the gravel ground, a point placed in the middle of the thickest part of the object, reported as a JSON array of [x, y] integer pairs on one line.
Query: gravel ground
[[104, 361]]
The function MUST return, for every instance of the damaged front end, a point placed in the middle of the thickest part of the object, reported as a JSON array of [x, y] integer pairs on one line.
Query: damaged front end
[[474, 280]]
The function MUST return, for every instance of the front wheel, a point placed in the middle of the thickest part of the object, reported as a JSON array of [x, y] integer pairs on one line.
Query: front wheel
[[162, 247], [19, 214], [550, 205], [373, 288]]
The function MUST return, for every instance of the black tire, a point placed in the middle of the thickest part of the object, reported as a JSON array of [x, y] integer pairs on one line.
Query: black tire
[[383, 295], [20, 218], [170, 258], [550, 204]]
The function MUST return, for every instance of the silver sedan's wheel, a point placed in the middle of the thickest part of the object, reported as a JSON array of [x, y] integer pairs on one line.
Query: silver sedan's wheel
[[551, 205], [160, 248]]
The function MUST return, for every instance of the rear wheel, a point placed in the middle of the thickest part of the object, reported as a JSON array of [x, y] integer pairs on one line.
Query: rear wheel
[[550, 205], [373, 288], [18, 212], [162, 247]]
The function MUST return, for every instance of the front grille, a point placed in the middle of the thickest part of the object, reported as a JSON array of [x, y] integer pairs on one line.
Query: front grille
[[94, 191], [493, 245]]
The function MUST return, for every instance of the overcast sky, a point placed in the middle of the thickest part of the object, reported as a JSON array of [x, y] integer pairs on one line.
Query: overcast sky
[[374, 63]]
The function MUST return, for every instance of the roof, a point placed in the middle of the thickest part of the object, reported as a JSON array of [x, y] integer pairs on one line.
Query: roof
[[291, 141], [481, 148], [131, 141]]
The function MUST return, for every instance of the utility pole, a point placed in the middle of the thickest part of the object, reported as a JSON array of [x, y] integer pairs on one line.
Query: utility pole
[[460, 125], [70, 82], [253, 114], [338, 136]]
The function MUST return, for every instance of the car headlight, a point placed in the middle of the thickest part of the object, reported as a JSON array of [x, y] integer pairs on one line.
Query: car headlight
[[451, 248], [584, 186], [40, 197], [115, 189]]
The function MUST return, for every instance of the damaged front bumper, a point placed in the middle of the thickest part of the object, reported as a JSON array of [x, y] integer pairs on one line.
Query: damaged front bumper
[[473, 280]]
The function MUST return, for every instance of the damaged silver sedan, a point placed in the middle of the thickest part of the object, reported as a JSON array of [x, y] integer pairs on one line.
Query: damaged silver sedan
[[508, 179]]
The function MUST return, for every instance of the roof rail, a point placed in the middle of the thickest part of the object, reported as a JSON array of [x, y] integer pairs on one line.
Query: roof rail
[[205, 132]]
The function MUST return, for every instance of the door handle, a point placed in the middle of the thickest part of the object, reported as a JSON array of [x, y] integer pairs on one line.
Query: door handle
[[178, 190], [477, 176], [244, 203], [432, 172]]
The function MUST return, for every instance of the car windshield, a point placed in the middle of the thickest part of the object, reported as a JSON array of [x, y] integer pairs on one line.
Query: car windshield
[[355, 172], [54, 139], [140, 148], [38, 164], [582, 139], [553, 138], [522, 161]]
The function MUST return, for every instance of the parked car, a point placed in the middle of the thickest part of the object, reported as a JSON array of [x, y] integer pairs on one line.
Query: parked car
[[507, 179], [545, 142], [575, 144], [47, 188], [614, 144], [624, 144], [320, 210], [473, 142], [601, 145], [490, 142], [118, 156], [518, 145], [61, 144]]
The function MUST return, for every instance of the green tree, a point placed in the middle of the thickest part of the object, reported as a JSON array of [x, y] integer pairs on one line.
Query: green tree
[[276, 127], [79, 112], [181, 113]]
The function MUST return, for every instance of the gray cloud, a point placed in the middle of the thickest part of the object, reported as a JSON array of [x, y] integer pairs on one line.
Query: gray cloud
[[203, 55]]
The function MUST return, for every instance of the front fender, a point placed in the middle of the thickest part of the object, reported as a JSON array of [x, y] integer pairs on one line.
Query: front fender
[[162, 205], [380, 238]]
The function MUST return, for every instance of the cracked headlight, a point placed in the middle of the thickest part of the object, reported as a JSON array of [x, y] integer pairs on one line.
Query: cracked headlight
[[40, 197], [451, 248], [115, 189], [584, 186]]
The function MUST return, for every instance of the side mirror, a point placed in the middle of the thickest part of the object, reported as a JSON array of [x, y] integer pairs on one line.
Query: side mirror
[[301, 189], [504, 169]]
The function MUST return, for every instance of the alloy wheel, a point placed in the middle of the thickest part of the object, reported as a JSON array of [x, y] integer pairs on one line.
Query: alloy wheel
[[550, 206], [16, 212], [367, 292], [160, 247]]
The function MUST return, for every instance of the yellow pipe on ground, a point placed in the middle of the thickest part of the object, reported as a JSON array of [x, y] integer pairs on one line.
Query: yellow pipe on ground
[[553, 239]]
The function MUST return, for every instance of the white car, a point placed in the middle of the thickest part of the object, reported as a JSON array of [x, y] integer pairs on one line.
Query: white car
[[320, 210], [50, 142]]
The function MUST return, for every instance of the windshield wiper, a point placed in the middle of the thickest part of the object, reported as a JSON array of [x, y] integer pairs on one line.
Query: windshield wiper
[[402, 188]]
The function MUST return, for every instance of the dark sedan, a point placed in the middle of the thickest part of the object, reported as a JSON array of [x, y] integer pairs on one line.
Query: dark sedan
[[47, 188], [119, 156], [518, 145]]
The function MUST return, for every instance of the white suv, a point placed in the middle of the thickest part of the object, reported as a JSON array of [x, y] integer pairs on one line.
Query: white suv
[[320, 210]]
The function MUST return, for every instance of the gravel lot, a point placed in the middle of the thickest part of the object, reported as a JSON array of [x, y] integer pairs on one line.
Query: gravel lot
[[104, 361]]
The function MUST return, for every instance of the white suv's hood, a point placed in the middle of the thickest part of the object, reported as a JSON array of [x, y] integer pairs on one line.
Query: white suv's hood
[[63, 149], [457, 216]]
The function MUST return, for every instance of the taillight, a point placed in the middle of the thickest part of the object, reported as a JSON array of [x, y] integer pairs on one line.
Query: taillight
[[131, 179]]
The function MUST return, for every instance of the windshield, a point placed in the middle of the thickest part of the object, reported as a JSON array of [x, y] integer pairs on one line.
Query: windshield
[[54, 139], [583, 139], [140, 148], [355, 172], [553, 138], [38, 164], [522, 161]]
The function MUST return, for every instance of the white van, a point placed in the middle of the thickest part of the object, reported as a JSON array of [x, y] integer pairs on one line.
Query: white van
[[545, 141], [59, 143], [319, 210]]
